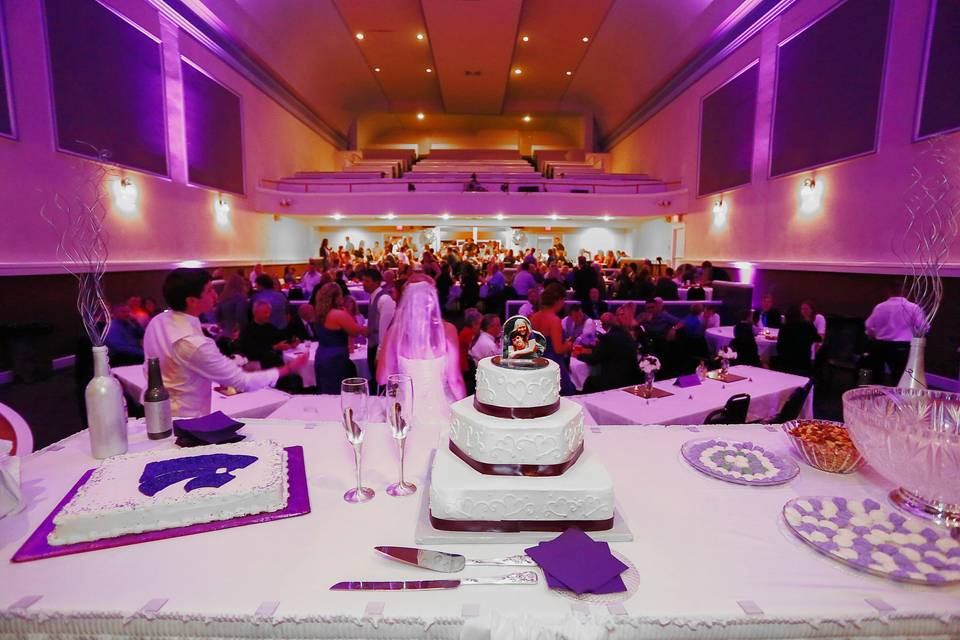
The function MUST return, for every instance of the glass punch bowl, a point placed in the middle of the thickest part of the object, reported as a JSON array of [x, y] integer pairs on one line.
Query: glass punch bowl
[[912, 438]]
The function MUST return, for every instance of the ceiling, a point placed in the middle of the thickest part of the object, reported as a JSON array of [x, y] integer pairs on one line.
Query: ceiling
[[472, 48]]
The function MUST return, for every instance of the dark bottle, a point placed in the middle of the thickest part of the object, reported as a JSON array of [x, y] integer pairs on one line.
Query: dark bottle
[[156, 403]]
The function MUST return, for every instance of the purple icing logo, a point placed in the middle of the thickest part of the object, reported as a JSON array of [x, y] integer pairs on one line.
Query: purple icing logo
[[202, 471]]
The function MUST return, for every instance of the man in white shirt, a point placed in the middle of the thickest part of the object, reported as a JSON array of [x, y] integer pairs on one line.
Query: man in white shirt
[[256, 273], [347, 245], [577, 323], [891, 325], [310, 279], [379, 314], [190, 361], [486, 344], [530, 307]]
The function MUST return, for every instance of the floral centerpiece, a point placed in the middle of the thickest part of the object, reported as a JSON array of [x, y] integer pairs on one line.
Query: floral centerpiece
[[726, 355], [649, 365]]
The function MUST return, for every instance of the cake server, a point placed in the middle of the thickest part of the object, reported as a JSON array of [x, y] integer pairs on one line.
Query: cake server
[[450, 562], [524, 577]]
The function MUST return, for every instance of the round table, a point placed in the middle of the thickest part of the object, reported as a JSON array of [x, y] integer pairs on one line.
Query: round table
[[580, 371], [719, 337], [309, 375]]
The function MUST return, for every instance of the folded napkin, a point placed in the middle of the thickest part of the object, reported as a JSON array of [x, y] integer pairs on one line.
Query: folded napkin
[[11, 500], [216, 428], [690, 380], [574, 561]]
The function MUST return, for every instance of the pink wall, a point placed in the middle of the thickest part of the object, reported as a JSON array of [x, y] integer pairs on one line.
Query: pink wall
[[173, 221], [862, 209]]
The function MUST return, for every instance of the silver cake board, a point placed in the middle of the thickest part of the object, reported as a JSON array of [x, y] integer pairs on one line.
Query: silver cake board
[[425, 533]]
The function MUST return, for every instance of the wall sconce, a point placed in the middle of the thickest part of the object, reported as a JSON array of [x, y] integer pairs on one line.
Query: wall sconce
[[222, 210], [719, 213], [125, 195], [285, 202], [746, 271], [811, 194], [664, 203]]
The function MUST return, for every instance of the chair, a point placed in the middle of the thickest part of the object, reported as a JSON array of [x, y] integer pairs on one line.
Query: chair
[[696, 293], [733, 412], [12, 423], [793, 406]]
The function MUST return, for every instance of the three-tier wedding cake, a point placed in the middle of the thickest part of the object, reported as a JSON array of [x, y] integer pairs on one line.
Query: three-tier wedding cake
[[514, 459]]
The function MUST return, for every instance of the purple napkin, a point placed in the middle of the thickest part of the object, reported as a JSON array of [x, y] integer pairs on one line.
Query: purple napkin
[[690, 380], [573, 560], [216, 428]]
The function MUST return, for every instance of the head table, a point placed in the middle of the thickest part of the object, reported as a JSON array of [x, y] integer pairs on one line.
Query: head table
[[715, 559]]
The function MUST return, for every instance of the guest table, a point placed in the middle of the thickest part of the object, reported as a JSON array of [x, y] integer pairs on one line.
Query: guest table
[[714, 559], [309, 375], [250, 404], [768, 391], [580, 371], [719, 337]]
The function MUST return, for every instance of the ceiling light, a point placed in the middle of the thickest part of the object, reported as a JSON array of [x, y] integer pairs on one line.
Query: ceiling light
[[429, 70], [517, 71], [445, 216], [377, 69], [606, 218], [359, 36], [569, 73], [500, 216], [390, 216], [337, 216], [420, 116], [554, 216], [527, 118], [419, 36], [585, 39], [525, 38]]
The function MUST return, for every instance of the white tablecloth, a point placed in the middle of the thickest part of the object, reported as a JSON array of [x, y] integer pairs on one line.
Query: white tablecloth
[[703, 548], [719, 337], [251, 404], [707, 291], [309, 374], [357, 292], [580, 371], [768, 391]]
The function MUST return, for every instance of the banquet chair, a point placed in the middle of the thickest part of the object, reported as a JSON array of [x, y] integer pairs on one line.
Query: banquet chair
[[733, 412], [793, 406], [14, 427]]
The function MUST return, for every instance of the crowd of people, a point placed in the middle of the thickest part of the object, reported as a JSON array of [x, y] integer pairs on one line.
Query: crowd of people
[[448, 307]]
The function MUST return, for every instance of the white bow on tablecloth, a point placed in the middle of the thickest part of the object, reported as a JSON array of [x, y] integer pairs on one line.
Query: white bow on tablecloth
[[11, 500]]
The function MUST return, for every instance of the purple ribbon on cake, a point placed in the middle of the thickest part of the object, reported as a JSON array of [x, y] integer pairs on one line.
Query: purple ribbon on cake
[[511, 413], [508, 469]]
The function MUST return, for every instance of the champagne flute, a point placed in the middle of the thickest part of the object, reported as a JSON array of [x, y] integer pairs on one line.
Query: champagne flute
[[399, 407], [354, 404]]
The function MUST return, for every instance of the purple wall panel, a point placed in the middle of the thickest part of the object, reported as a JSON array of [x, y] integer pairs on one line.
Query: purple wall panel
[[214, 138], [107, 84], [829, 80], [6, 114], [941, 93], [726, 134]]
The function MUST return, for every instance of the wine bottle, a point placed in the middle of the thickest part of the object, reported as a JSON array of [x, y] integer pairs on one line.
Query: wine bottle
[[156, 403]]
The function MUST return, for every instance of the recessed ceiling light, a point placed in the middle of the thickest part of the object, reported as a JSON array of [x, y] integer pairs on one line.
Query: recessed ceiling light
[[336, 216], [569, 73], [554, 216], [445, 216], [500, 216], [420, 116], [377, 69], [527, 118], [390, 216], [606, 218], [517, 71], [525, 38], [419, 36], [429, 70], [359, 35], [585, 39]]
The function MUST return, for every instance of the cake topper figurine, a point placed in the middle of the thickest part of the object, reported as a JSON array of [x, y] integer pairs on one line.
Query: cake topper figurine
[[522, 346]]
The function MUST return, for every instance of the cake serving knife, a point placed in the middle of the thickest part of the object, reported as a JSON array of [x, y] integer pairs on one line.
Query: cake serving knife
[[523, 577], [450, 562]]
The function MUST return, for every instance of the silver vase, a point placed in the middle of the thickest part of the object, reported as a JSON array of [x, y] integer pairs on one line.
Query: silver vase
[[106, 414], [915, 375]]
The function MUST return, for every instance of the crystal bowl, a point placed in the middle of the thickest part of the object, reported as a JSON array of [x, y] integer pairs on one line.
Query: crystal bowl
[[912, 438], [821, 455]]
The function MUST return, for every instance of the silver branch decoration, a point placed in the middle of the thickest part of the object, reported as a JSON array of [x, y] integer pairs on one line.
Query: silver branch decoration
[[78, 221], [933, 207]]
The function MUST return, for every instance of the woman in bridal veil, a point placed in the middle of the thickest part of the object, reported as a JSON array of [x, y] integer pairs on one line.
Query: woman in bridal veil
[[422, 345]]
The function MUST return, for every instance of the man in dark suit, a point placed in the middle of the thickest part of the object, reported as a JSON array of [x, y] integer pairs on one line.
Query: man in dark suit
[[768, 315], [616, 355], [261, 341], [666, 288], [301, 326]]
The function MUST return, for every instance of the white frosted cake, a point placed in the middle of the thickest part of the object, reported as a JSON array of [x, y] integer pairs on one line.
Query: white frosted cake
[[514, 459], [163, 489]]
